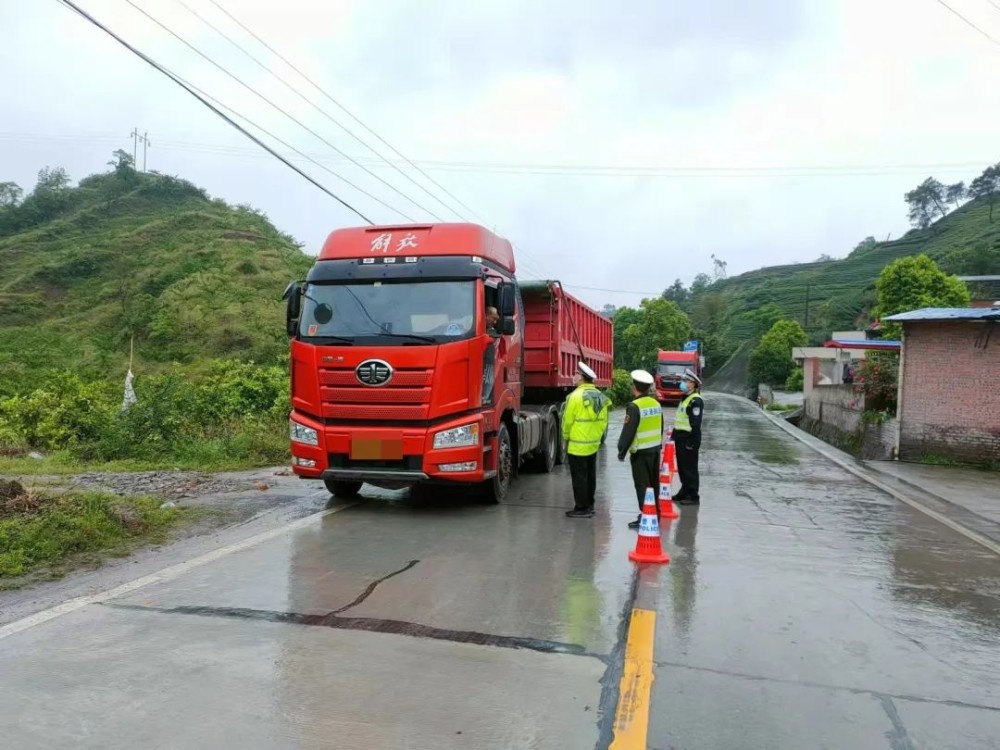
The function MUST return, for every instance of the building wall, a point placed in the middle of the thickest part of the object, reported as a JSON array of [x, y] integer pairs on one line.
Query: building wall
[[949, 392]]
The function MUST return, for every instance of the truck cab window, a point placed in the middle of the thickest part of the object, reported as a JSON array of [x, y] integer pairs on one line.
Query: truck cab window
[[444, 309]]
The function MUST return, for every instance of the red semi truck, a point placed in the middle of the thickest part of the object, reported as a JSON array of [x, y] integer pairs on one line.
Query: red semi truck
[[418, 357], [670, 366]]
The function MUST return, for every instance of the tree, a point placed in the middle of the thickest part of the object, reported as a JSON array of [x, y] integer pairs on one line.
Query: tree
[[10, 194], [701, 283], [657, 324], [926, 202], [676, 293], [51, 180], [955, 194], [624, 317], [986, 186], [608, 311], [913, 283], [771, 360], [123, 162]]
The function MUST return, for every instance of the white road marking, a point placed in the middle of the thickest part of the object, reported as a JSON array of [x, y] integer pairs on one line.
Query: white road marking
[[166, 574]]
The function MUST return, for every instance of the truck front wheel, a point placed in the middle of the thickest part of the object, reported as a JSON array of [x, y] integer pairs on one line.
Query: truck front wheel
[[341, 488], [496, 488]]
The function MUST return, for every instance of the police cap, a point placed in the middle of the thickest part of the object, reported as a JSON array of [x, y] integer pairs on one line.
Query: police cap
[[689, 375], [586, 371], [642, 377]]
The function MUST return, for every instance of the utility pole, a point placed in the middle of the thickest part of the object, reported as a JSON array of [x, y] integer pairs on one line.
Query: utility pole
[[136, 139]]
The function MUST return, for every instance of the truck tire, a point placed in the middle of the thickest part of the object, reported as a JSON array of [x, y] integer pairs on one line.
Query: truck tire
[[341, 488], [545, 459], [497, 487]]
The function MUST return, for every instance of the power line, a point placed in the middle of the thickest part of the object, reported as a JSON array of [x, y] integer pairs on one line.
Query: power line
[[346, 111], [294, 119], [89, 18], [311, 103], [574, 170], [970, 23]]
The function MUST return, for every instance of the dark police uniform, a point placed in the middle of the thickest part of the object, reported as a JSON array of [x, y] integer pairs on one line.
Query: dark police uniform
[[642, 438], [687, 439]]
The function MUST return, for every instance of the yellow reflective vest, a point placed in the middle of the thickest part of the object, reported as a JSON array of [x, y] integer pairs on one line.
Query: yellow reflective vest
[[649, 432], [681, 420], [585, 420]]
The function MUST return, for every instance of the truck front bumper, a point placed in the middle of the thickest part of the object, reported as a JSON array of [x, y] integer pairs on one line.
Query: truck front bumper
[[392, 457]]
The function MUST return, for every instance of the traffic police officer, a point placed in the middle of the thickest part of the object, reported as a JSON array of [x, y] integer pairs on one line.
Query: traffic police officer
[[687, 438], [584, 421], [642, 437]]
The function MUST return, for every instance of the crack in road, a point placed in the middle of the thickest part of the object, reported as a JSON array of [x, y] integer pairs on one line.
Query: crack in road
[[372, 625], [372, 586]]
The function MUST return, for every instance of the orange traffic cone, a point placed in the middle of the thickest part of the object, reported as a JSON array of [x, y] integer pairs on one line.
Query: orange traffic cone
[[667, 509], [670, 454], [647, 544]]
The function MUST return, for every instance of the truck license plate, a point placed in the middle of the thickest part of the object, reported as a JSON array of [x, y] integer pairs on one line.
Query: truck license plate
[[369, 449]]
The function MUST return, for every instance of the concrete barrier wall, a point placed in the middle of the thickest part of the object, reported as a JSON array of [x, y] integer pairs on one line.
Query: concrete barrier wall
[[833, 413]]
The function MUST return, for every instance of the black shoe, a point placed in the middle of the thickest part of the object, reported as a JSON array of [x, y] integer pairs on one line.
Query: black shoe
[[689, 501], [579, 513], [635, 524]]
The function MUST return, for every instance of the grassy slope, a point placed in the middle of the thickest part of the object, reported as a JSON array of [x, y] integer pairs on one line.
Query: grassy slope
[[192, 278], [840, 292]]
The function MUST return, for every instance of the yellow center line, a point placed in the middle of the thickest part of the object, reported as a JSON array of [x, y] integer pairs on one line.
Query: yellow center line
[[632, 714]]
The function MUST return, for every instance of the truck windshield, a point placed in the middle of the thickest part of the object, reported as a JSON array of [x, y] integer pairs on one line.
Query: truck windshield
[[665, 369], [397, 312]]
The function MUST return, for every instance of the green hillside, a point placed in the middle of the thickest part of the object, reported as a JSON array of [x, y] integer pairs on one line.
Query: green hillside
[[85, 269], [836, 294]]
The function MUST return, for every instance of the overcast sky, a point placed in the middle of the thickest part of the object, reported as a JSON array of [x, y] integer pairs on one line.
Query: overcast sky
[[708, 114]]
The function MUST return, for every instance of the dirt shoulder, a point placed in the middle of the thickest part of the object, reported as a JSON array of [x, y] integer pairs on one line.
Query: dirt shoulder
[[215, 510]]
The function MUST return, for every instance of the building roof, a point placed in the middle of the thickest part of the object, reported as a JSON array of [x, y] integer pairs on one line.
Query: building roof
[[875, 344], [947, 313]]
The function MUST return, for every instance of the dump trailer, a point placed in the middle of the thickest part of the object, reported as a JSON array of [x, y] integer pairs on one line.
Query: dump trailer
[[417, 357], [670, 367]]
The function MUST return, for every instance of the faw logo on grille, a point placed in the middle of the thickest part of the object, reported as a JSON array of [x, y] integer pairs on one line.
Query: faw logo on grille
[[374, 372]]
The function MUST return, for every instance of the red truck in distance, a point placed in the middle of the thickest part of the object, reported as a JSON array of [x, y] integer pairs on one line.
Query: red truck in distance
[[670, 366], [401, 376]]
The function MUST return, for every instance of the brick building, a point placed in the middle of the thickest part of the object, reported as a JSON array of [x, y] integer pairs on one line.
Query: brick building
[[949, 384]]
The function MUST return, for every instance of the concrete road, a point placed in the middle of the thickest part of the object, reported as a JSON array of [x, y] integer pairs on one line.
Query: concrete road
[[802, 608]]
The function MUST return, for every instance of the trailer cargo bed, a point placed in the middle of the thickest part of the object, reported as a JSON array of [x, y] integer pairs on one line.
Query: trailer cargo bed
[[559, 331]]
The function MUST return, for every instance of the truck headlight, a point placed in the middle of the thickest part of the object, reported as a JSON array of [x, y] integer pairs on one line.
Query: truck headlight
[[457, 437], [299, 433]]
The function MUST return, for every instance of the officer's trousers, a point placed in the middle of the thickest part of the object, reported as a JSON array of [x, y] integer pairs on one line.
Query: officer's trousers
[[646, 473], [687, 466], [583, 473]]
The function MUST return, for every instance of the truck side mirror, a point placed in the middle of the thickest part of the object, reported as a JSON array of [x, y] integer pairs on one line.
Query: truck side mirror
[[508, 326], [507, 302], [293, 306]]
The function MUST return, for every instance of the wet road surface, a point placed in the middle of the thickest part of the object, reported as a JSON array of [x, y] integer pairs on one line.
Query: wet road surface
[[802, 608]]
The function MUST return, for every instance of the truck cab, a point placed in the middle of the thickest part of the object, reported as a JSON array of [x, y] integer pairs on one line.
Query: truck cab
[[408, 362], [670, 367]]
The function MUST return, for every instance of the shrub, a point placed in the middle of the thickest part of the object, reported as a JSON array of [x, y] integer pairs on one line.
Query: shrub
[[620, 391], [67, 412], [878, 380], [796, 381]]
